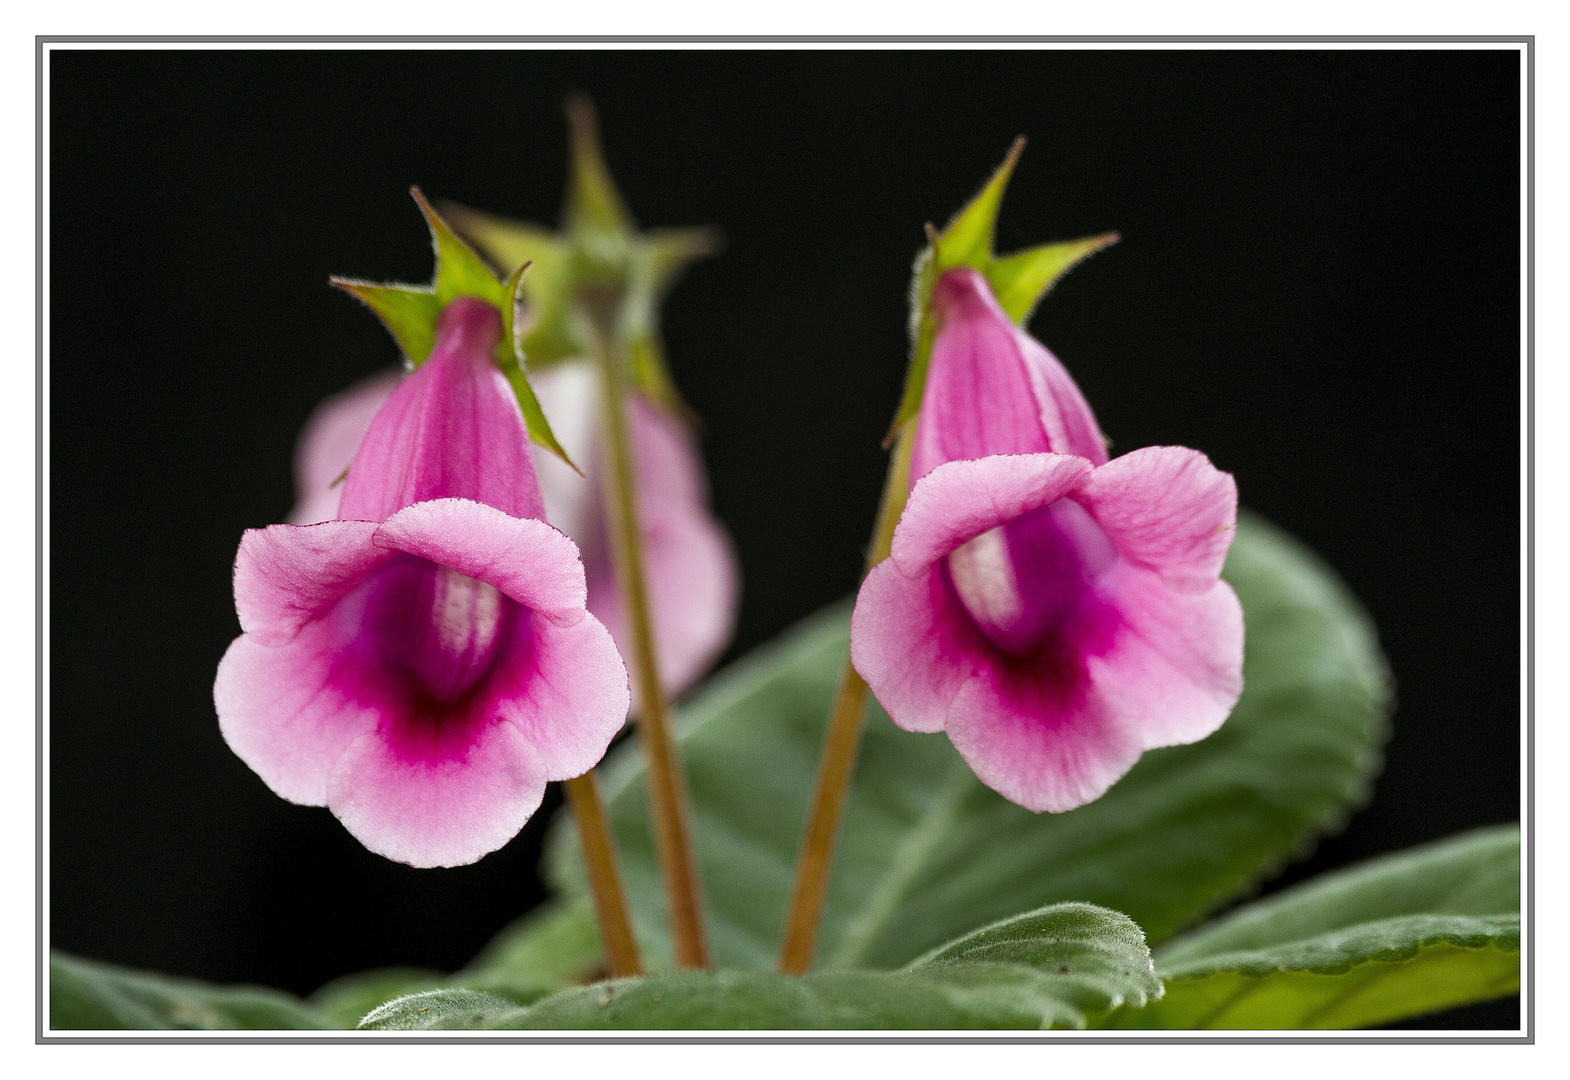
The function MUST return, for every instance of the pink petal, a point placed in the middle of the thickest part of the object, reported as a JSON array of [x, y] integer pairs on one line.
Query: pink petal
[[327, 445], [569, 396], [1175, 668], [979, 399], [1038, 740], [1065, 414], [444, 799], [693, 592], [287, 575], [1167, 508], [959, 501], [992, 388], [690, 565], [913, 645], [286, 711], [566, 691], [453, 429], [524, 558]]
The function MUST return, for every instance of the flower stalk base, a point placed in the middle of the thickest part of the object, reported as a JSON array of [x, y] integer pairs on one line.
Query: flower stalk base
[[672, 834], [599, 860], [839, 751]]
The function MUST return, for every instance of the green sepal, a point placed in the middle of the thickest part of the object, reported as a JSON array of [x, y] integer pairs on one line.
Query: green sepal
[[548, 336], [598, 254], [410, 312], [1019, 280], [533, 416], [593, 203], [459, 269]]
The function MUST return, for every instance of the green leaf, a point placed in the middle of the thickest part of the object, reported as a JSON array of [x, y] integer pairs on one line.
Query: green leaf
[[554, 946], [346, 1000], [1048, 968], [86, 995], [926, 850], [437, 1010], [1021, 280], [593, 203], [1392, 938]]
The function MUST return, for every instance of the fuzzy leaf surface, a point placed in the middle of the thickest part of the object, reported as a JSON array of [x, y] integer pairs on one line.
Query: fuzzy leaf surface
[[1393, 938], [87, 995], [926, 851], [1048, 968]]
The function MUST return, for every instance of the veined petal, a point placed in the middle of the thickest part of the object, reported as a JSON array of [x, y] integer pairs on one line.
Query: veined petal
[[992, 388], [979, 399], [913, 645], [1167, 508], [689, 563], [288, 712], [328, 443], [565, 688], [960, 500], [430, 799], [287, 575], [453, 429], [1039, 739], [524, 558], [1175, 668]]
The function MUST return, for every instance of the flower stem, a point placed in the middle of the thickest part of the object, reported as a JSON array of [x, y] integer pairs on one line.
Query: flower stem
[[839, 751], [599, 858], [672, 834]]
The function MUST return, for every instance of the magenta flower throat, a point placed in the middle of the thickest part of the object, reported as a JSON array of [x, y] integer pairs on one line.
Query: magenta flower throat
[[424, 664], [1056, 613]]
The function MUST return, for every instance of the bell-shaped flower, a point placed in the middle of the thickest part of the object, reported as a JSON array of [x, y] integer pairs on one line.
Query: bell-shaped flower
[[690, 564], [424, 663], [1056, 613]]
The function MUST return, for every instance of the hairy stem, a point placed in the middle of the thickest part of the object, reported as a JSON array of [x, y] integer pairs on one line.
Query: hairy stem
[[599, 858], [667, 795], [839, 752]]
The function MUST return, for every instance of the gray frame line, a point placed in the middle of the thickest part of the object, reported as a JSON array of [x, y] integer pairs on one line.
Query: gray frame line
[[1529, 41]]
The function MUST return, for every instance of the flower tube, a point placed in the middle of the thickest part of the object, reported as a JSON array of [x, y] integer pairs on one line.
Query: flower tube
[[424, 663], [692, 571], [1056, 613]]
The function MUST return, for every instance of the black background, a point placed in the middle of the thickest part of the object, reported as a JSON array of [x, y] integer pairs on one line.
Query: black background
[[1317, 286]]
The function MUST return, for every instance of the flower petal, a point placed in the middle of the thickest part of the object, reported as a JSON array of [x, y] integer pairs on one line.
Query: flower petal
[[437, 805], [453, 429], [569, 395], [327, 446], [979, 399], [690, 565], [960, 500], [913, 645], [1167, 508], [992, 388], [288, 713], [1036, 745], [524, 558], [1175, 667], [287, 575], [565, 688]]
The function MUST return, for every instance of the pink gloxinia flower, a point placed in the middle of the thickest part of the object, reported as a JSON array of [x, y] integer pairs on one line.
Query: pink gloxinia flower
[[1056, 613], [690, 565], [425, 663]]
